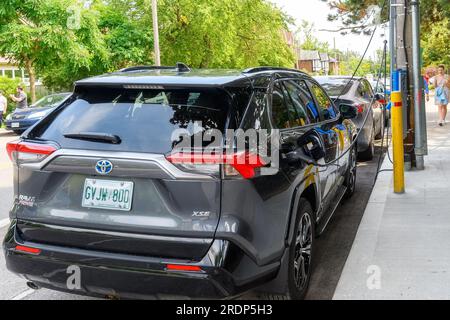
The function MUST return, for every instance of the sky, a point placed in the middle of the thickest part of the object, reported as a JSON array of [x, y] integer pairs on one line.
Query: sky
[[316, 11]]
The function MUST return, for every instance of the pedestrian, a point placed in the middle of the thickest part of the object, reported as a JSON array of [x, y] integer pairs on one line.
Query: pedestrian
[[3, 106], [20, 98], [426, 87], [441, 82]]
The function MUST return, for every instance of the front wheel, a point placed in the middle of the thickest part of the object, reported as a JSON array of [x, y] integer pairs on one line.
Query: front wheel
[[300, 255], [368, 154], [350, 176]]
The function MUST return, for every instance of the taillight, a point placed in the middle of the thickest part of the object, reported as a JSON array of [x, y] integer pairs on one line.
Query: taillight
[[360, 108], [184, 268], [21, 152], [26, 249], [237, 164]]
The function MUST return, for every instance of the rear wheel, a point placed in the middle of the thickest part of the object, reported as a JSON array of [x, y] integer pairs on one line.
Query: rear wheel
[[368, 154], [300, 255], [350, 177]]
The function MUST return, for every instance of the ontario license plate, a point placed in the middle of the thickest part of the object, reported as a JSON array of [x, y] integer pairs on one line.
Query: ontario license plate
[[108, 194], [15, 125]]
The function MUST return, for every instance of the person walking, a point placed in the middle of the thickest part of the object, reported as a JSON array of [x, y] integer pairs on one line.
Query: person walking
[[441, 83], [3, 106], [20, 98]]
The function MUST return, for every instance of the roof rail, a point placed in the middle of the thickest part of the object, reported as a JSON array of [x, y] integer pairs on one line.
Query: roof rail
[[180, 67], [262, 69]]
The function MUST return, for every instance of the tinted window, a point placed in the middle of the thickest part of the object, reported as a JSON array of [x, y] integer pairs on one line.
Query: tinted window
[[280, 113], [257, 115], [336, 87], [144, 119], [365, 90], [325, 105], [299, 103]]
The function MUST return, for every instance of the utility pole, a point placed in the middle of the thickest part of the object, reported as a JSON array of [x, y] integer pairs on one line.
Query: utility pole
[[420, 129], [408, 113], [156, 32]]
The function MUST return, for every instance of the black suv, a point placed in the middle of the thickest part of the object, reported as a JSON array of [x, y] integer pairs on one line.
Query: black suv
[[107, 205]]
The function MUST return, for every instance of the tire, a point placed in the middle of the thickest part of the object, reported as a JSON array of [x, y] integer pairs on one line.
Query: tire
[[350, 176], [18, 132], [368, 154], [382, 126], [301, 253]]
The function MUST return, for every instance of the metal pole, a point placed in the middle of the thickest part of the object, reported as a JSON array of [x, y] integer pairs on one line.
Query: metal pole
[[397, 142], [156, 32], [392, 40], [419, 112]]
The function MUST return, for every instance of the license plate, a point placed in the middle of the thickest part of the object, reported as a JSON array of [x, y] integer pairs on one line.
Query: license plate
[[15, 125], [108, 194]]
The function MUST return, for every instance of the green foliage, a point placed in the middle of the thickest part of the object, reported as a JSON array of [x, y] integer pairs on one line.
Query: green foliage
[[8, 86], [435, 24], [223, 34], [350, 62], [50, 37], [112, 34], [436, 44]]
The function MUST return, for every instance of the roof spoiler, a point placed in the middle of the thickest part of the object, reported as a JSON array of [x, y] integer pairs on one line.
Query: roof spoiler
[[180, 67]]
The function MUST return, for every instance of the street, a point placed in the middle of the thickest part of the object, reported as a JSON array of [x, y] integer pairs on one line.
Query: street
[[333, 246]]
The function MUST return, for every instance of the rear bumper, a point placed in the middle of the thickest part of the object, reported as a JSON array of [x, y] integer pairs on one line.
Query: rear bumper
[[105, 274]]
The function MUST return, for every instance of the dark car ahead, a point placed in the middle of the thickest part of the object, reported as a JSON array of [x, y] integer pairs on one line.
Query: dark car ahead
[[104, 192], [22, 119], [359, 93]]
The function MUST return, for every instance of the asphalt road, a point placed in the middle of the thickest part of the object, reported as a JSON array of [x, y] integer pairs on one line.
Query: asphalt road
[[332, 250]]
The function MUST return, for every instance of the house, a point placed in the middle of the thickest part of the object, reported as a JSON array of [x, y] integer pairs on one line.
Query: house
[[309, 60], [325, 63], [12, 70], [334, 65]]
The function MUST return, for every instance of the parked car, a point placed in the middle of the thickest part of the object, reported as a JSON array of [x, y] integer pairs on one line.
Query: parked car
[[22, 119], [384, 95], [359, 93], [100, 185]]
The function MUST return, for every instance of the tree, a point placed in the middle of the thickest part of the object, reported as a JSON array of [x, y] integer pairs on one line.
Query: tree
[[435, 26], [56, 38], [225, 34], [126, 28]]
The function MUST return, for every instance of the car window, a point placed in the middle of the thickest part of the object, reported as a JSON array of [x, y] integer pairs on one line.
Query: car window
[[299, 103], [365, 90], [308, 101], [280, 115], [145, 120], [257, 115], [326, 107]]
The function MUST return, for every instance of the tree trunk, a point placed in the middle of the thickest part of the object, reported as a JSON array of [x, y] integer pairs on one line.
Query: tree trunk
[[32, 75]]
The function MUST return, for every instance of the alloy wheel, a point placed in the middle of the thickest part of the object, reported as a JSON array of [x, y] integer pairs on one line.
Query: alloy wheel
[[302, 258]]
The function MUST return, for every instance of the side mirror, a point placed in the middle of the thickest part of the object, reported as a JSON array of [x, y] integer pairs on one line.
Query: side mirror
[[348, 111]]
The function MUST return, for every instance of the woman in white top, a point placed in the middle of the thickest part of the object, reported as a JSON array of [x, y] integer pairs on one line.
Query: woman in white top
[[441, 83]]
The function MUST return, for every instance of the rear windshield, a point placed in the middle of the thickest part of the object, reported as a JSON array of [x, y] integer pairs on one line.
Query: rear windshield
[[144, 120], [336, 87]]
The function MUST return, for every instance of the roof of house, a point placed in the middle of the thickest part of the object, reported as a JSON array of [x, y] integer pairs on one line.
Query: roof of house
[[308, 55], [324, 57]]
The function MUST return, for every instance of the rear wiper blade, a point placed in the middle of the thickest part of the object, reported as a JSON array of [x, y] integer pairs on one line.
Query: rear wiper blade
[[95, 137]]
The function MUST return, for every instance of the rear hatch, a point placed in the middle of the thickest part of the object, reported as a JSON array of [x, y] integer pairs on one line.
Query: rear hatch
[[95, 174]]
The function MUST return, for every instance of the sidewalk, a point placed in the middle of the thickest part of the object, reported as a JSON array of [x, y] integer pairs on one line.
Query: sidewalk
[[402, 248]]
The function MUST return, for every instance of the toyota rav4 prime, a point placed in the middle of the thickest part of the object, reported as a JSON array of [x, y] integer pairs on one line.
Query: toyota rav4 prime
[[166, 181]]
